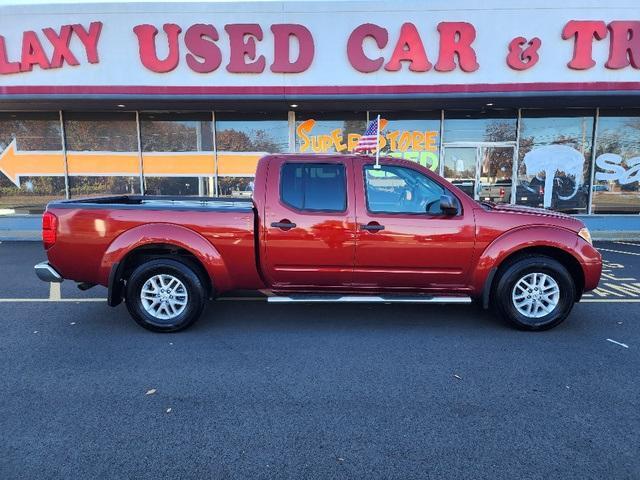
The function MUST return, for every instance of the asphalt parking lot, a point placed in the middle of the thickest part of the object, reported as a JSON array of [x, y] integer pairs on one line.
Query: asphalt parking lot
[[323, 391]]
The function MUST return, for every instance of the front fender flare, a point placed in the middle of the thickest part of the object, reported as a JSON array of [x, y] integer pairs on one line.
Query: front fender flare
[[167, 234], [515, 240]]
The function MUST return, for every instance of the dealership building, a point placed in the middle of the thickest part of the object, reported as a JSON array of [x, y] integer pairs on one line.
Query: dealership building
[[532, 106]]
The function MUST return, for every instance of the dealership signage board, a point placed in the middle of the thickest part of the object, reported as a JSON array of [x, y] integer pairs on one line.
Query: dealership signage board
[[318, 48]]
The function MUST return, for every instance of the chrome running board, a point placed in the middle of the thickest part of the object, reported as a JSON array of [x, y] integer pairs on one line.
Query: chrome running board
[[367, 299]]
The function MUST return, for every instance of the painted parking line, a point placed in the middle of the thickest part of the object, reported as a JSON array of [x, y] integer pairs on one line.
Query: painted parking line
[[628, 243], [616, 285], [610, 300], [618, 343], [72, 300], [49, 300], [54, 291], [619, 251]]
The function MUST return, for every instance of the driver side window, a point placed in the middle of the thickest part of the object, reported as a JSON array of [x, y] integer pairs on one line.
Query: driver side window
[[395, 189]]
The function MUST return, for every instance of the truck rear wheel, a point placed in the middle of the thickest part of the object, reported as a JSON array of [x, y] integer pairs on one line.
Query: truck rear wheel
[[165, 295], [535, 293]]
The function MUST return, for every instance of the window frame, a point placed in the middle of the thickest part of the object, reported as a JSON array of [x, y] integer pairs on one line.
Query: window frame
[[314, 210], [425, 214]]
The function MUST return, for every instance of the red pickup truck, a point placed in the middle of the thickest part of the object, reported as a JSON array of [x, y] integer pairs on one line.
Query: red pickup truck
[[323, 228]]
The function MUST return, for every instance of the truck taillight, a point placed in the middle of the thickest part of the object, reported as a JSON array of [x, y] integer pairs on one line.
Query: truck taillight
[[49, 229], [502, 192]]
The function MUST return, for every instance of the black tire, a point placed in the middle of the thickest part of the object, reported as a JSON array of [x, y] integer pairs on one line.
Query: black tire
[[195, 297], [504, 286]]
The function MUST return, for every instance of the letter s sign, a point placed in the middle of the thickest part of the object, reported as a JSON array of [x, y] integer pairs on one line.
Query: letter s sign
[[612, 164]]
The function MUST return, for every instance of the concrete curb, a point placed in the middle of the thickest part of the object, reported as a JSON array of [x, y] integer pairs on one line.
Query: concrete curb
[[616, 236], [20, 235]]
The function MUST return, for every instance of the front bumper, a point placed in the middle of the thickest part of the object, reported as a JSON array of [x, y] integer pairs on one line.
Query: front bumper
[[591, 265], [47, 273]]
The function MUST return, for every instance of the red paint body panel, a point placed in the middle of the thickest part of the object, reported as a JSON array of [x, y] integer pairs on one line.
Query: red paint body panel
[[413, 252], [319, 252], [326, 251], [91, 240]]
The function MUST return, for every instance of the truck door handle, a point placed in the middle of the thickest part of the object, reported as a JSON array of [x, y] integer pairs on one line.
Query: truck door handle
[[284, 224], [372, 227]]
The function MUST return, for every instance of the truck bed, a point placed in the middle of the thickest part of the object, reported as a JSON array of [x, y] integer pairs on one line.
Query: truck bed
[[155, 202], [88, 227]]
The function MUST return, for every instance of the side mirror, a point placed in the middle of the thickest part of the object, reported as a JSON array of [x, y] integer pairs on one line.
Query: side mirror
[[448, 205]]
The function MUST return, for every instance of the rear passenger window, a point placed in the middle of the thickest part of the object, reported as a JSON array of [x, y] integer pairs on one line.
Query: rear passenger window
[[314, 186]]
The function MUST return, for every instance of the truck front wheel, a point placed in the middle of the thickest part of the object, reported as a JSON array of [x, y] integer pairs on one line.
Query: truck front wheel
[[535, 293], [165, 295]]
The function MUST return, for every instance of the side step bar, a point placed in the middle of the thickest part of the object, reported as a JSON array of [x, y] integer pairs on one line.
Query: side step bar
[[368, 299]]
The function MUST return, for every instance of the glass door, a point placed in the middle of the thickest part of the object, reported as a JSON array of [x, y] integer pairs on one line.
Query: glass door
[[460, 167], [495, 172]]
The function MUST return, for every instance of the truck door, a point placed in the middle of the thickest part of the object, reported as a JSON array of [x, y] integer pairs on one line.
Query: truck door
[[309, 224], [404, 241]]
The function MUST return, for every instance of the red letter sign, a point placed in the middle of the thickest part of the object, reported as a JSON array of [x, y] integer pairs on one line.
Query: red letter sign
[[456, 38], [585, 32], [625, 45], [281, 37], [147, 45], [355, 50], [242, 48], [61, 52], [199, 40], [6, 66], [89, 39], [409, 48], [521, 57], [32, 53]]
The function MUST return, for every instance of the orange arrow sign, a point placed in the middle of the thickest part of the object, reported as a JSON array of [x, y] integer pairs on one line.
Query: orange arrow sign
[[16, 163]]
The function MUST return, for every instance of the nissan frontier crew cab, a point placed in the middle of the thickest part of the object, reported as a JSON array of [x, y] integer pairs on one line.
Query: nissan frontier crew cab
[[323, 228]]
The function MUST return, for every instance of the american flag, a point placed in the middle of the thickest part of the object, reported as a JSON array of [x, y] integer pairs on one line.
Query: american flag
[[368, 141]]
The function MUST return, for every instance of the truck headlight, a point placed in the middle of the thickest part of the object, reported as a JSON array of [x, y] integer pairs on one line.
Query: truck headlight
[[585, 235]]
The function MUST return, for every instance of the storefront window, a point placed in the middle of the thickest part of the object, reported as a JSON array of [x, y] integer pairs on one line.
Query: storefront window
[[241, 141], [493, 126], [31, 162], [411, 138], [479, 151], [177, 150], [329, 132], [102, 153], [554, 166], [616, 187]]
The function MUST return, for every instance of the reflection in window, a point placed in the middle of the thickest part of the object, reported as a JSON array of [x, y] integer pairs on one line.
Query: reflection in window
[[31, 132], [411, 138], [616, 187], [460, 168], [241, 141], [102, 152], [554, 161], [191, 170], [496, 169], [329, 133], [479, 127]]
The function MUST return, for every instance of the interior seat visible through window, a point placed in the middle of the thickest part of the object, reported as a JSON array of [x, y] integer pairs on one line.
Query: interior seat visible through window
[[396, 189]]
